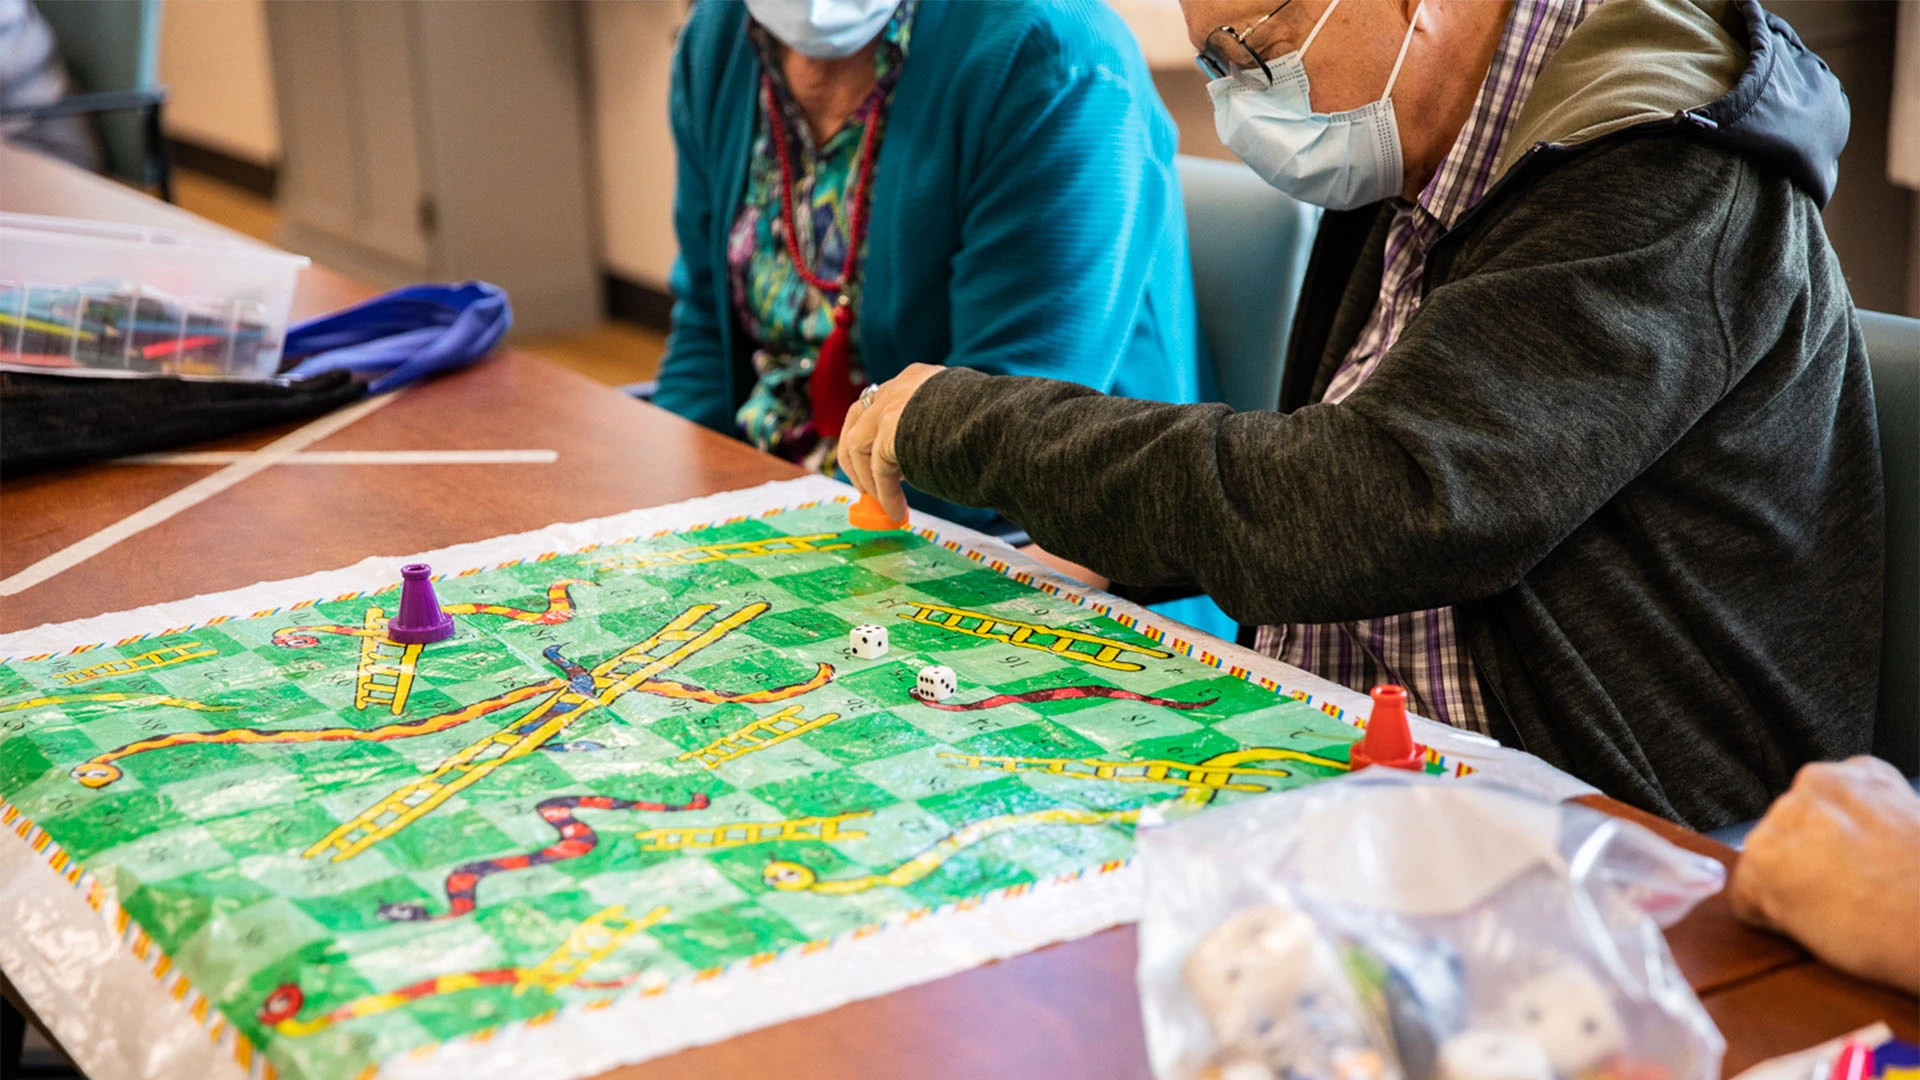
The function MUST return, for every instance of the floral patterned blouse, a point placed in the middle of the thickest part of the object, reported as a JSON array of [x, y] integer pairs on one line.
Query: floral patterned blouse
[[787, 319]]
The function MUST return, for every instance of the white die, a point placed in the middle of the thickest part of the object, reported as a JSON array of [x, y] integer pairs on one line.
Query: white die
[[1273, 991], [937, 682], [1571, 1016], [1482, 1054], [869, 641]]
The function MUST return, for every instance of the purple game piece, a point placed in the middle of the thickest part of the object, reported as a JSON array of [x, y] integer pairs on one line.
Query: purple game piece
[[420, 620]]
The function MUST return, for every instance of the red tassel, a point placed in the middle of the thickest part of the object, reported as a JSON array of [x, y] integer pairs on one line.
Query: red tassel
[[832, 384]]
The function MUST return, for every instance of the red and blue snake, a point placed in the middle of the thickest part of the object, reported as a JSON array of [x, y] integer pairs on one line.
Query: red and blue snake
[[577, 838]]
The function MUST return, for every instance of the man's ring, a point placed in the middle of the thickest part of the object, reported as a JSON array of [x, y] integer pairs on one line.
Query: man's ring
[[866, 396]]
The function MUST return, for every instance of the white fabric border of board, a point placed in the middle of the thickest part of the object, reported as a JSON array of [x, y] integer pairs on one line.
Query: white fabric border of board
[[102, 1004], [98, 1019]]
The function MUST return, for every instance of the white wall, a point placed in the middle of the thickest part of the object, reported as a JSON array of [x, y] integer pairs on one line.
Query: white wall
[[631, 53], [215, 61], [1161, 30], [213, 58]]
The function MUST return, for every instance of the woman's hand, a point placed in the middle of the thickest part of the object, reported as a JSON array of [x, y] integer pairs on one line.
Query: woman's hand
[[866, 439]]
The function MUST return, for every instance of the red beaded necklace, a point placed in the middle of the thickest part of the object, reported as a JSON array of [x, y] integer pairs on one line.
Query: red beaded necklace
[[831, 386]]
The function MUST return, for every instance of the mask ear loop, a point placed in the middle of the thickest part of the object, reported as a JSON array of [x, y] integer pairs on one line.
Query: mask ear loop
[[1315, 32], [1394, 75]]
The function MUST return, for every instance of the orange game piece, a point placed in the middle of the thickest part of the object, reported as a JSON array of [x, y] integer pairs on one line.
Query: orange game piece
[[1388, 742], [869, 514]]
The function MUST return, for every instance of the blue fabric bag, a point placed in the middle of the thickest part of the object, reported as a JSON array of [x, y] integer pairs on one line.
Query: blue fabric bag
[[403, 335]]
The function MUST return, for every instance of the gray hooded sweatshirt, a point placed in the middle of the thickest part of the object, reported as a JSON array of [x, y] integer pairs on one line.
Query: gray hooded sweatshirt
[[1629, 435]]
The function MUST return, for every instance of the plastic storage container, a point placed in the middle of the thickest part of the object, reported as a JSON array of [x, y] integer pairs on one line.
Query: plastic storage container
[[92, 298]]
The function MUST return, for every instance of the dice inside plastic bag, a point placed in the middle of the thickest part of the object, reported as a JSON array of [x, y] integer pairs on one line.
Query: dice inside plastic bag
[[1397, 927]]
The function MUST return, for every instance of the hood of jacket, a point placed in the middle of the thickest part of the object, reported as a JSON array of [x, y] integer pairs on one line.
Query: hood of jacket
[[1735, 73]]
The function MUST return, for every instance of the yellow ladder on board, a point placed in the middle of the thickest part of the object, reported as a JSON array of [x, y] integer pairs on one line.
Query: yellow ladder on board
[[758, 735], [1222, 772], [550, 716], [741, 833], [158, 658], [1034, 636], [385, 674], [1153, 771], [595, 939], [706, 553]]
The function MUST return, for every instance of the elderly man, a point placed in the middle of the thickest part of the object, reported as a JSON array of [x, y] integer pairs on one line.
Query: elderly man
[[1575, 438]]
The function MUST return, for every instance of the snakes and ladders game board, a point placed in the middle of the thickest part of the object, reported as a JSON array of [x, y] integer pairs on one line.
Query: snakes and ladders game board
[[647, 779]]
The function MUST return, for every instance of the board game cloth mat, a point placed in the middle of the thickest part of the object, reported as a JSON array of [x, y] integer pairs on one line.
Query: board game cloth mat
[[816, 837]]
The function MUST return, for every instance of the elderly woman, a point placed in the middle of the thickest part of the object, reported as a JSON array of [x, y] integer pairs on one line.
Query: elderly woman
[[867, 184]]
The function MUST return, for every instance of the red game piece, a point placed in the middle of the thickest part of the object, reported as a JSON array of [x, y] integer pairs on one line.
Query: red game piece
[[1388, 742], [419, 620], [869, 514]]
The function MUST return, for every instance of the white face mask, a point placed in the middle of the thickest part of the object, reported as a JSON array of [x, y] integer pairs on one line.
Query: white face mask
[[823, 29], [1336, 160]]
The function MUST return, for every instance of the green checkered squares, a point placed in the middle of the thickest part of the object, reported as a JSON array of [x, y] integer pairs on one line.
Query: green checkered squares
[[901, 559], [920, 773], [720, 935], [487, 848], [875, 736], [974, 590], [1289, 723], [268, 931], [1114, 729], [692, 884], [1042, 738], [155, 857], [834, 792], [796, 626]]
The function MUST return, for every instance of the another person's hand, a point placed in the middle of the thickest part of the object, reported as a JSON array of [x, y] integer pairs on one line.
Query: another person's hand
[[866, 439], [1835, 865]]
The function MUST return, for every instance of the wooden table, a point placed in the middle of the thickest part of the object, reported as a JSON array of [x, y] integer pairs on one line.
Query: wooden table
[[615, 454], [1062, 1013]]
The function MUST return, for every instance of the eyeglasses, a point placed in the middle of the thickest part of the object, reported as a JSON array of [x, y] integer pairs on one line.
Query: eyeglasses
[[1227, 51]]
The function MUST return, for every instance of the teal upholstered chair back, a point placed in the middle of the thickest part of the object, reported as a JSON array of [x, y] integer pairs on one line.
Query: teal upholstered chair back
[[1893, 351], [112, 45], [1250, 245]]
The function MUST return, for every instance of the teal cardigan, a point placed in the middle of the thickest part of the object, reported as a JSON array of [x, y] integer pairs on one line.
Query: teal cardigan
[[1026, 216]]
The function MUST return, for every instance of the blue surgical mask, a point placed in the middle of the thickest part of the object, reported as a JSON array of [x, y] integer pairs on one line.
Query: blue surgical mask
[[823, 29], [1337, 160]]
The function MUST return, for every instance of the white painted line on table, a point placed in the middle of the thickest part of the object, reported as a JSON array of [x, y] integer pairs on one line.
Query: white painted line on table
[[190, 496], [354, 457]]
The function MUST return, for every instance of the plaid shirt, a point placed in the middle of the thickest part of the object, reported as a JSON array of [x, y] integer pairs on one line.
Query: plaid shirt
[[1421, 650]]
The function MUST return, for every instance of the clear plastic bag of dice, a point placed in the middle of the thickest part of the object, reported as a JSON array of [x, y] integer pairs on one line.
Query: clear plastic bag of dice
[[1397, 927]]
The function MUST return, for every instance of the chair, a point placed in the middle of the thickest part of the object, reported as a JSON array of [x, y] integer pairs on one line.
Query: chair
[[1893, 358], [1249, 246], [112, 50], [1893, 353]]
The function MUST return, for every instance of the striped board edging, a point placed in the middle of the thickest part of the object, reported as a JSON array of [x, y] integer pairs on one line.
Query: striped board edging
[[144, 950]]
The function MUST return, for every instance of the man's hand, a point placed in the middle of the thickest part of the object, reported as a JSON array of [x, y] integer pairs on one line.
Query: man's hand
[[1835, 865], [866, 439]]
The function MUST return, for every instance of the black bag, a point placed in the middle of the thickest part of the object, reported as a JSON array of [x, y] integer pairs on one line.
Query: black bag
[[51, 421]]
